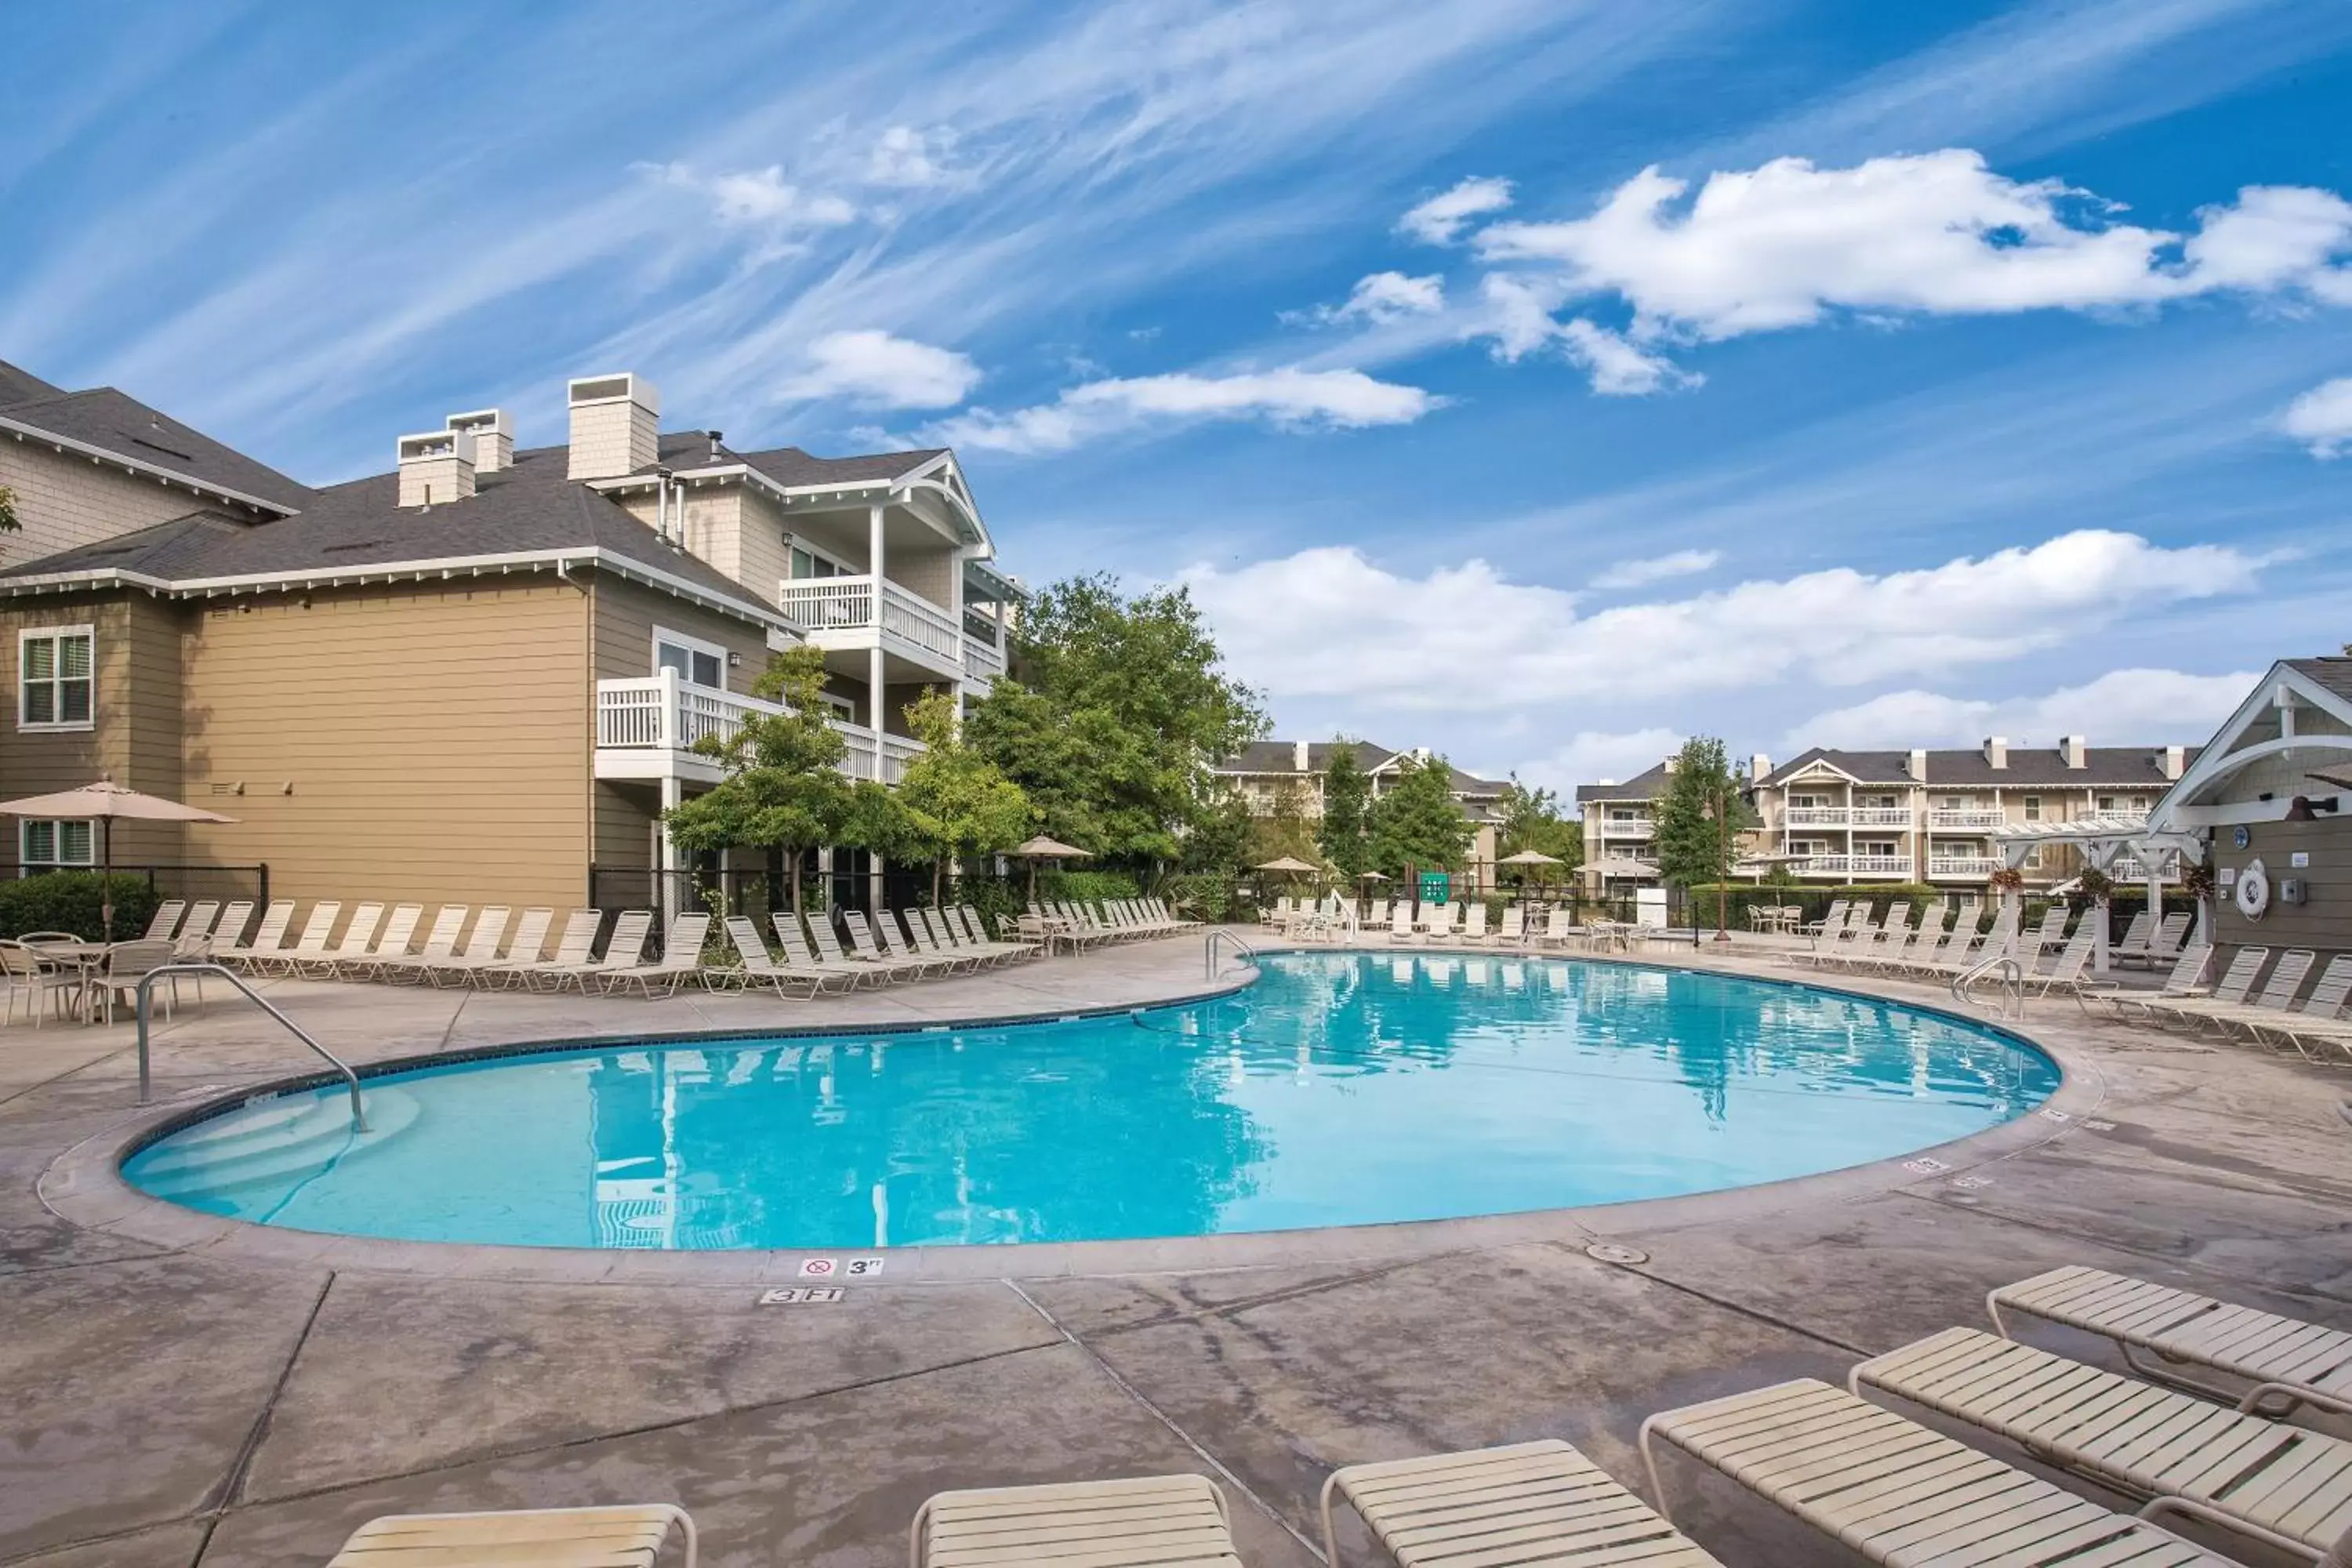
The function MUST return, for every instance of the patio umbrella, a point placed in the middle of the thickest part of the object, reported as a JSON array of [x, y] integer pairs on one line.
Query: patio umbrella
[[1290, 863], [1529, 858], [105, 800], [1043, 849], [1610, 866]]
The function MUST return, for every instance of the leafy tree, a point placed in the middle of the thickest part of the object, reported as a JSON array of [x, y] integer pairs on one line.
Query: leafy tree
[[1219, 841], [1532, 819], [956, 802], [1701, 816], [1346, 805], [8, 524], [783, 788], [1286, 828], [1122, 704], [1417, 822]]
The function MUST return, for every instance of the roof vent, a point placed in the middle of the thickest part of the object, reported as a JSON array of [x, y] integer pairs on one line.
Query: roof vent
[[615, 426], [493, 435], [436, 466], [716, 455], [1996, 753]]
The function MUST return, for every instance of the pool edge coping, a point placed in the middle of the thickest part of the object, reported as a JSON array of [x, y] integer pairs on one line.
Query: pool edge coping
[[85, 1186]]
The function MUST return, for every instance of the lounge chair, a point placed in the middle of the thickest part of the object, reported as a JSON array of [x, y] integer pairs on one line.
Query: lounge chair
[[228, 930], [440, 942], [920, 939], [1164, 1521], [1399, 923], [629, 1537], [2073, 960], [758, 967], [957, 933], [1168, 913], [970, 918], [2288, 1487], [2276, 997], [1511, 931], [943, 938], [2230, 989], [855, 950], [2183, 981], [195, 938], [1897, 1492], [681, 957], [1833, 920], [800, 959], [2050, 933], [1474, 922], [317, 927], [2288, 1361], [391, 942], [1533, 1504], [866, 942], [2133, 948], [624, 949], [482, 947], [522, 964], [2316, 1020], [267, 939], [2169, 932], [164, 923], [356, 938]]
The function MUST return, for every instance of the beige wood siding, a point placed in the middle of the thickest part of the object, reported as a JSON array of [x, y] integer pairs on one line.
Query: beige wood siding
[[626, 617], [63, 500], [428, 742]]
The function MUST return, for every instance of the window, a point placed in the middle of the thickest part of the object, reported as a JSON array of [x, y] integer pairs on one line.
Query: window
[[2033, 809], [53, 688], [808, 562], [698, 663], [2034, 855], [46, 845], [842, 708], [2106, 803]]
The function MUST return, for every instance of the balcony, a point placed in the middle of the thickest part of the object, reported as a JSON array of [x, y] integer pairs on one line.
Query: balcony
[[841, 614], [1964, 818], [1852, 865], [646, 728], [1817, 816], [1962, 867], [1628, 827], [1882, 817]]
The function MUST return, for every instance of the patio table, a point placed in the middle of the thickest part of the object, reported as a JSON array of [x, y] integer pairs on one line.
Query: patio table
[[79, 959]]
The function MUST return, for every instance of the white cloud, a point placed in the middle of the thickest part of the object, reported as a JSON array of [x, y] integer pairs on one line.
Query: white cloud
[[1937, 233], [1384, 296], [1620, 368], [905, 156], [877, 370], [1442, 217], [760, 197], [1589, 756], [2124, 707], [1657, 568], [2322, 418], [1517, 314], [1303, 625], [1287, 399]]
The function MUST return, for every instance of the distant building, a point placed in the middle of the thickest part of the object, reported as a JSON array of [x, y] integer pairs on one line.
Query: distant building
[[1266, 771], [1620, 832]]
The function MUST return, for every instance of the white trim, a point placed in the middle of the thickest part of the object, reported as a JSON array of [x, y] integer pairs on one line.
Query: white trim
[[2217, 762], [800, 541], [57, 726], [133, 465], [24, 862]]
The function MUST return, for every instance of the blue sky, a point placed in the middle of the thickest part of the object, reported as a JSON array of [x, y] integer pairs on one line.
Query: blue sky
[[1539, 381]]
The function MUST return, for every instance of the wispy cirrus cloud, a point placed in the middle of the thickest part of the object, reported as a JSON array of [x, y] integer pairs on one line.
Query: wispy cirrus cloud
[[1288, 398], [1656, 568], [874, 370], [1440, 219]]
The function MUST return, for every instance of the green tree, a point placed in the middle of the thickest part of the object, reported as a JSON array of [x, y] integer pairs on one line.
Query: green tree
[[1417, 822], [1701, 816], [1532, 819], [1122, 705], [1347, 804], [956, 803], [1286, 827], [783, 789], [8, 524]]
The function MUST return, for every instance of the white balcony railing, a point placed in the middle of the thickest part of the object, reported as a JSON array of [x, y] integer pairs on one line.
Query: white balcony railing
[[663, 713], [1817, 816], [1882, 817], [1965, 818], [1852, 865], [982, 660], [1627, 827], [822, 604], [1962, 867]]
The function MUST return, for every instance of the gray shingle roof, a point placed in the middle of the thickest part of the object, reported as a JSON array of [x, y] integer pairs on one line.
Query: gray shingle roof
[[2333, 674], [1647, 785], [2121, 766], [791, 466], [114, 422], [529, 507], [1282, 757], [20, 385]]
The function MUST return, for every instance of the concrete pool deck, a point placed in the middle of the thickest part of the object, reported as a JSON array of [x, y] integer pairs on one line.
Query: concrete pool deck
[[245, 1397]]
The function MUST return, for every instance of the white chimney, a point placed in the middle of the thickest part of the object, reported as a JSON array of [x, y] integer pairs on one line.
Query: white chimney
[[1759, 766], [436, 468], [2074, 748], [493, 435], [2176, 759], [1996, 751], [1608, 784], [1919, 764], [1669, 764], [1298, 756], [615, 426]]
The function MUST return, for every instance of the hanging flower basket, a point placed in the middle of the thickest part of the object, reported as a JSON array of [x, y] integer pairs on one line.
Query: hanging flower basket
[[2097, 884], [2008, 880]]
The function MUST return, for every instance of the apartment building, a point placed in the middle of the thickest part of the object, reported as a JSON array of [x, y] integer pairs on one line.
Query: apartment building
[[1927, 816], [1619, 829], [1269, 772], [476, 677]]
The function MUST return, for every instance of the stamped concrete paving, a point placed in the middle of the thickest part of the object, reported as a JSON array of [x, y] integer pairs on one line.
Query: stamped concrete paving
[[179, 1404]]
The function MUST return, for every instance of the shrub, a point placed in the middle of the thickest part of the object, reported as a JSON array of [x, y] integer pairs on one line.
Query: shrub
[[997, 901], [1086, 886], [1208, 894], [73, 900]]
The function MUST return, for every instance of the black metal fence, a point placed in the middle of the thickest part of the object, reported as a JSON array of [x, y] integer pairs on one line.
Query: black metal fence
[[195, 882]]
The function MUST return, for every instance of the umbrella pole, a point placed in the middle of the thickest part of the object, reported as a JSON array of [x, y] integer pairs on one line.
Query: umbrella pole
[[106, 878]]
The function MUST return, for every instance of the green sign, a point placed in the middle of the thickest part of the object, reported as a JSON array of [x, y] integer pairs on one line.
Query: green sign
[[1434, 886]]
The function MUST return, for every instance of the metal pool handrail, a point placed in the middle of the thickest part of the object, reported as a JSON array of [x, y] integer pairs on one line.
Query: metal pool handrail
[[1209, 949], [147, 986], [2012, 983]]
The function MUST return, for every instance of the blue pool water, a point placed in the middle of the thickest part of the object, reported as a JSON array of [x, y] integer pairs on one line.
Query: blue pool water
[[1341, 1088]]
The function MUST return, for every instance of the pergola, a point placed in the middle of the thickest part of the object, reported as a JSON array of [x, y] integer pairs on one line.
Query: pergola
[[2101, 840]]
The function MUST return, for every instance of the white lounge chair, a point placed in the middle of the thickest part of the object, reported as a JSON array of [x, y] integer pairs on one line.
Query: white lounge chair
[[266, 939], [358, 937], [970, 918], [482, 946], [628, 1537], [523, 964], [682, 958], [800, 959], [624, 949], [2316, 1020], [866, 941], [391, 942], [316, 929], [2184, 981], [2277, 995], [2073, 960], [2230, 989], [758, 967], [1152, 1521], [440, 943], [164, 923]]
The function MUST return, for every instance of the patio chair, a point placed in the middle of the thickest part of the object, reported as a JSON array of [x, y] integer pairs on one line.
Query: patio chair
[[1173, 1521], [228, 930], [2287, 1362], [390, 943], [625, 949], [2230, 989], [681, 957], [2276, 998], [2169, 932], [36, 979], [2316, 1020], [1474, 922], [1399, 923], [195, 939], [758, 967], [2072, 958], [842, 951], [628, 1537], [952, 932], [970, 918], [267, 938], [1512, 930], [2184, 981], [866, 944], [320, 964], [800, 959], [1540, 1502], [2133, 948], [523, 964], [1895, 1491], [919, 940], [316, 929], [472, 951], [1833, 919], [1168, 913], [2286, 1487], [2050, 933], [165, 921], [125, 965], [940, 938], [1271, 917], [440, 942]]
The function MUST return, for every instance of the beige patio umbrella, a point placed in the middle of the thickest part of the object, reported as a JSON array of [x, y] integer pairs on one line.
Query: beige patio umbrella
[[104, 802], [1290, 863], [1529, 858], [1043, 849]]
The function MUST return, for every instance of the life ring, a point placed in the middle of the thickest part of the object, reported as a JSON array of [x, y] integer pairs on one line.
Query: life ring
[[2253, 892]]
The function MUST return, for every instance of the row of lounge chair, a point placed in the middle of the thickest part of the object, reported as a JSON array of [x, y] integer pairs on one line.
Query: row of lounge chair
[[2314, 1027], [1079, 925], [1849, 922], [2201, 1448]]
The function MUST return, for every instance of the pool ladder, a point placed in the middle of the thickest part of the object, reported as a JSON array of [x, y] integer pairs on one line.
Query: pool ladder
[[2012, 985], [165, 971], [1210, 947]]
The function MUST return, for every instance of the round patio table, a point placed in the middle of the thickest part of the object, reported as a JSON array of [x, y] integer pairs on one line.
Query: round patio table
[[81, 959]]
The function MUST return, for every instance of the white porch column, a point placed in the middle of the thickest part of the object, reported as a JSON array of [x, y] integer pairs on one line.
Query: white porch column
[[877, 691], [2099, 936], [671, 794]]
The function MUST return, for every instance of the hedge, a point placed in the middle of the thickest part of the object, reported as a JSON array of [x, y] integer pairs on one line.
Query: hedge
[[72, 900]]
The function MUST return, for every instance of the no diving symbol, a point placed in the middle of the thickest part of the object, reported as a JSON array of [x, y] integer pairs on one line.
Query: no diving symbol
[[818, 1268]]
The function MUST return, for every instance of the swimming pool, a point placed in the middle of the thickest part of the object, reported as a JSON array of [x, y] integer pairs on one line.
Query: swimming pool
[[1341, 1088]]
